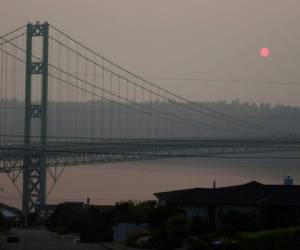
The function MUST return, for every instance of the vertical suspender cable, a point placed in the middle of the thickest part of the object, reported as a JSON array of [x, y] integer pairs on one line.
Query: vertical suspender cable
[[135, 127], [127, 111], [119, 110], [59, 123], [69, 95], [142, 115], [102, 102], [157, 118], [2, 118], [5, 91], [111, 111], [93, 113], [13, 112], [77, 101], [86, 121], [149, 123]]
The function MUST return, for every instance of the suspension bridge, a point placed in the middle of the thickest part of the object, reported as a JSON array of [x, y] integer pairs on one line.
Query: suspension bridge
[[64, 104]]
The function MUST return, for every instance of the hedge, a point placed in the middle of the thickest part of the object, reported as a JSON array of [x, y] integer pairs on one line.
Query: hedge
[[278, 239]]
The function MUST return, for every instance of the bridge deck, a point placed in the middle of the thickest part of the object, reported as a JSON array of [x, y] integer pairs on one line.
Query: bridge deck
[[68, 154]]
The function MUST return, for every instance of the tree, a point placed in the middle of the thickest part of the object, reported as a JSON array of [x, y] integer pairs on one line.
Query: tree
[[159, 216], [66, 217], [177, 226], [123, 212], [143, 210], [177, 229], [134, 212]]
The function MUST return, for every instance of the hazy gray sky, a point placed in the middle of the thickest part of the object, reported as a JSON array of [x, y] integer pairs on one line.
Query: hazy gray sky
[[208, 39]]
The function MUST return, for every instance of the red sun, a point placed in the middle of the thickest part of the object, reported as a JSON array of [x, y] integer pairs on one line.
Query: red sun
[[264, 52]]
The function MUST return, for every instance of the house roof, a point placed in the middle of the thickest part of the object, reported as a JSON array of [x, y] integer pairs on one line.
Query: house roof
[[249, 193]]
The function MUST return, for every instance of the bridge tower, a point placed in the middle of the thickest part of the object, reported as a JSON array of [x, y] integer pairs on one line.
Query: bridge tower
[[34, 169]]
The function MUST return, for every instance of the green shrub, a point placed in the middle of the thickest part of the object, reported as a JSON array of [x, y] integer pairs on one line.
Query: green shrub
[[132, 237], [279, 239], [61, 230], [159, 216], [177, 226]]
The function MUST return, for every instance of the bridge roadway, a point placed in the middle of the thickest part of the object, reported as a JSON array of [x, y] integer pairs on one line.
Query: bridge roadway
[[78, 153]]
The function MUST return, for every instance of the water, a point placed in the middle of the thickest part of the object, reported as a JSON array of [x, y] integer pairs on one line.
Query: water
[[108, 183]]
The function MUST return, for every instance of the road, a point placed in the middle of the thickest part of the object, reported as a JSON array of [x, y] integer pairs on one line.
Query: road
[[41, 239]]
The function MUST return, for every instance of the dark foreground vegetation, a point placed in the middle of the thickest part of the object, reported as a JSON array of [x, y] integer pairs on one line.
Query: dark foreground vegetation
[[6, 224], [169, 228], [278, 239], [3, 224]]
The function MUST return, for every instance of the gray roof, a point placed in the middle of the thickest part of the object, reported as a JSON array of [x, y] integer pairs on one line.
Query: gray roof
[[12, 210]]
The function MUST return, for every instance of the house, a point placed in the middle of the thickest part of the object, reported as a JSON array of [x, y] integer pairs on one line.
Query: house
[[268, 206], [9, 212]]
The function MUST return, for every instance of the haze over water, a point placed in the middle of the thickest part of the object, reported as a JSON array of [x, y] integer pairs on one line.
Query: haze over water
[[108, 183]]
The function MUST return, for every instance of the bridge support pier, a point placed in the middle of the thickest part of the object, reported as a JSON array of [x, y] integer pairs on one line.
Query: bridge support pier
[[34, 169]]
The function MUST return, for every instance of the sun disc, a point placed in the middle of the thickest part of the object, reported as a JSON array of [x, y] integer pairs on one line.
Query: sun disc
[[264, 52]]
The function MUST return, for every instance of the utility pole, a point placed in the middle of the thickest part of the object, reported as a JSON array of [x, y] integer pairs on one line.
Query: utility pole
[[35, 163]]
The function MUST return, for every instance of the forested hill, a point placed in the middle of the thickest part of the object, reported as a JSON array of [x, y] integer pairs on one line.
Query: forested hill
[[278, 116], [104, 119]]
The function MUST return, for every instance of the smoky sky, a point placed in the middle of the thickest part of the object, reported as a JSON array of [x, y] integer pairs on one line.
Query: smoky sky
[[185, 39]]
